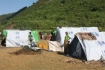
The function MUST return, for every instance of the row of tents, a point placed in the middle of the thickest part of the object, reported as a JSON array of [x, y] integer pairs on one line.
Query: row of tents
[[86, 42]]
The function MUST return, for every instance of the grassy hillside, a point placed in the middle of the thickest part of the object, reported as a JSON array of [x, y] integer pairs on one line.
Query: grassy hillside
[[3, 20], [3, 17], [48, 14]]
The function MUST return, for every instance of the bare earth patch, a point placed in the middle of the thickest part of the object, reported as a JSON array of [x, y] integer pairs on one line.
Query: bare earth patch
[[18, 59]]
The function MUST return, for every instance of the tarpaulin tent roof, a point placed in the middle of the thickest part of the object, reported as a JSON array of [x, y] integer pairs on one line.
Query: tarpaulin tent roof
[[72, 31], [17, 38], [91, 49]]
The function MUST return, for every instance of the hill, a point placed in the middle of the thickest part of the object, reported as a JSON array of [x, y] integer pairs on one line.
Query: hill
[[48, 14], [3, 19]]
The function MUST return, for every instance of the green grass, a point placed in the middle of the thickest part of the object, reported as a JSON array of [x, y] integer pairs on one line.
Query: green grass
[[48, 14]]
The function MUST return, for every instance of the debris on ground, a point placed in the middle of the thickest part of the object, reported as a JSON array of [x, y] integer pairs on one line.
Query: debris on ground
[[23, 51]]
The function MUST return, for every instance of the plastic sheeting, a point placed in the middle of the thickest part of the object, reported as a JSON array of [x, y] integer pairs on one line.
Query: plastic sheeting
[[94, 49], [4, 33], [54, 46], [35, 36], [72, 31], [17, 38]]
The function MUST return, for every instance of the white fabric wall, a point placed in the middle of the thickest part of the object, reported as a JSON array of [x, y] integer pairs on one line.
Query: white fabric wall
[[94, 49], [17, 38], [72, 31], [55, 46]]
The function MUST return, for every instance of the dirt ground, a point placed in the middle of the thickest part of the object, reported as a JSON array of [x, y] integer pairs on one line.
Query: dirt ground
[[16, 59]]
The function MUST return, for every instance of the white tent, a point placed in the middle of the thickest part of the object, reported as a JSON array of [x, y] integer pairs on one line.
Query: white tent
[[92, 49], [17, 38], [72, 31]]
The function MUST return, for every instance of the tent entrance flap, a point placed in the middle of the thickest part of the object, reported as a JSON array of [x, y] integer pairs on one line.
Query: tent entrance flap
[[76, 50]]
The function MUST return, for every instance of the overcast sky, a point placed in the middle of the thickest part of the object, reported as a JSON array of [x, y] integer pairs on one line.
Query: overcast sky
[[10, 6]]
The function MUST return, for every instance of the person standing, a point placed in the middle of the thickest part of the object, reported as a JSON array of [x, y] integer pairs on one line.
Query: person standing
[[30, 37], [66, 43]]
